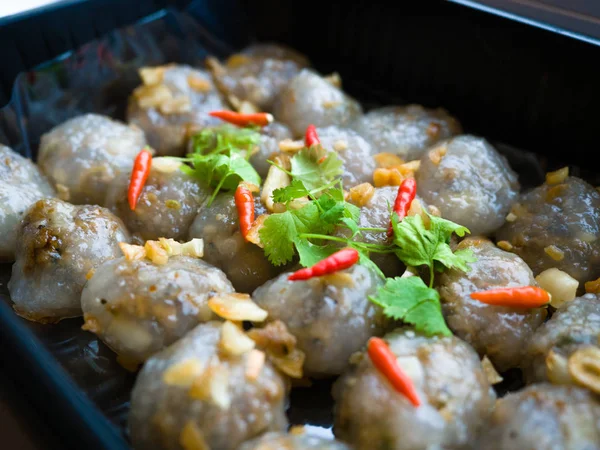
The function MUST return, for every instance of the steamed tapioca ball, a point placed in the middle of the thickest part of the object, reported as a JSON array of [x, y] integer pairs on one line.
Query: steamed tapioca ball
[[499, 332], [172, 101], [21, 185], [469, 182], [294, 440], [406, 131], [167, 205], [138, 307], [455, 397], [83, 155], [311, 99], [330, 316], [355, 153], [244, 263], [257, 74], [544, 417], [211, 389], [268, 146], [58, 247], [566, 349], [557, 225]]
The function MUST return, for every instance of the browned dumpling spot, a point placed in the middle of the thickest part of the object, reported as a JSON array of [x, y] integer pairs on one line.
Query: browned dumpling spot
[[21, 185], [58, 247]]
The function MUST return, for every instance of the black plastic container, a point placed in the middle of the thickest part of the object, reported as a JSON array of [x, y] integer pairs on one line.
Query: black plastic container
[[512, 82]]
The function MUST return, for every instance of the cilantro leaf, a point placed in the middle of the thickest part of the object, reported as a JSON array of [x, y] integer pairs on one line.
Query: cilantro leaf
[[224, 138], [364, 260], [286, 194], [279, 233], [419, 246], [352, 225], [314, 174], [410, 300], [310, 253]]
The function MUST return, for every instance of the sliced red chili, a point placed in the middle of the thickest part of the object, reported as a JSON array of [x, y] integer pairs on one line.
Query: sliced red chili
[[242, 120], [244, 202], [139, 175], [311, 137], [386, 362], [516, 297], [407, 191], [340, 260]]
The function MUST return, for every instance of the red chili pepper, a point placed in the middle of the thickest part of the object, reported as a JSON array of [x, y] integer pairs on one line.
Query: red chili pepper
[[242, 120], [311, 137], [338, 261], [406, 194], [517, 297], [386, 362], [139, 175], [244, 202]]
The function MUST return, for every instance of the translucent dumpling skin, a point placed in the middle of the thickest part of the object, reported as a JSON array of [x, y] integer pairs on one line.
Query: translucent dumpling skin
[[192, 395], [455, 396], [137, 308], [58, 246], [175, 105], [544, 417], [21, 185], [407, 131], [83, 155], [557, 225], [469, 182], [289, 441], [310, 99], [330, 316], [499, 332]]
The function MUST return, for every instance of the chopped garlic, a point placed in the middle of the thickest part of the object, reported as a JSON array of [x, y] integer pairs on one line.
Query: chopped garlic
[[132, 252], [561, 286], [334, 79], [151, 76], [183, 373], [505, 245], [593, 287], [152, 96], [155, 253], [212, 385], [280, 346], [193, 248], [254, 364], [199, 84], [253, 233], [490, 371], [236, 307], [192, 438], [165, 164], [234, 341], [340, 145], [554, 252], [64, 193], [511, 217], [558, 176], [276, 179], [436, 154], [176, 105], [288, 145]]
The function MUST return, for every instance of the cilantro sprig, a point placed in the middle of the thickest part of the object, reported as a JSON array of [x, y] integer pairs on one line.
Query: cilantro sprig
[[220, 157]]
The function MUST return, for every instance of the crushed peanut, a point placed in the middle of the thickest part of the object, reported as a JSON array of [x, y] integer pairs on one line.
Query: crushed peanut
[[90, 274], [280, 346], [554, 252], [361, 194], [334, 79], [156, 253], [183, 373], [199, 84], [387, 160], [132, 252], [584, 367], [593, 287], [235, 306], [558, 176], [505, 245]]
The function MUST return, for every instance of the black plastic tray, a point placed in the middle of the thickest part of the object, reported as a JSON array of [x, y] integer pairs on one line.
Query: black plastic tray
[[524, 86]]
